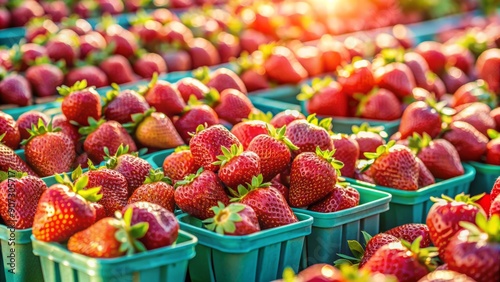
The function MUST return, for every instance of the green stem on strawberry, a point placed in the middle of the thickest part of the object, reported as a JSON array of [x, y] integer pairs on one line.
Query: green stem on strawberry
[[224, 219], [228, 154], [372, 156], [112, 160], [157, 175], [4, 175], [357, 250], [325, 123], [39, 129], [257, 183], [444, 112], [128, 234], [327, 155], [490, 227], [279, 134], [365, 127], [138, 119], [80, 187], [426, 256], [202, 74], [493, 134], [93, 126], [418, 142], [65, 90], [145, 89], [462, 197], [259, 115], [212, 98], [189, 178], [308, 91]]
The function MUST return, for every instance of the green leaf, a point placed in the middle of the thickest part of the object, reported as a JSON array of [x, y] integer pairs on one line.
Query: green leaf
[[139, 230], [356, 248]]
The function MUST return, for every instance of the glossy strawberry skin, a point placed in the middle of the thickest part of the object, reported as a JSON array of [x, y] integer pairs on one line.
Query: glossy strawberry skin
[[10, 160], [359, 80], [126, 104], [329, 101], [495, 207], [425, 177], [60, 214], [433, 55], [165, 98], [194, 116], [275, 156], [486, 65], [397, 78], [66, 127], [234, 106], [442, 159], [382, 98], [81, 105], [50, 153], [44, 79], [157, 131], [159, 193], [134, 169], [97, 241], [8, 126], [94, 76], [495, 190], [112, 63], [15, 89], [397, 169], [285, 118], [240, 169], [347, 151], [113, 188], [27, 119], [375, 243], [367, 142], [411, 231], [340, 198], [308, 136], [223, 78], [469, 142], [249, 222], [179, 164], [246, 131], [493, 152], [419, 117], [191, 86]]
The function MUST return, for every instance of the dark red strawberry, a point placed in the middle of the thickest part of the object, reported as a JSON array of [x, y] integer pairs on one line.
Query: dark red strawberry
[[221, 79], [237, 167], [231, 105], [493, 148], [477, 114], [164, 97], [325, 98], [410, 232], [66, 127], [333, 53], [11, 135], [228, 46], [24, 11], [247, 130], [282, 66], [460, 57], [370, 105], [356, 77], [91, 43], [56, 10], [202, 52], [368, 138], [453, 79], [341, 198], [433, 53], [486, 66], [44, 79], [374, 243], [346, 151], [235, 220], [26, 55], [4, 18], [255, 79], [80, 103], [396, 77], [419, 68], [92, 74], [64, 46], [156, 189], [15, 89], [117, 62], [469, 142], [121, 105], [148, 64], [10, 160], [309, 134], [285, 118], [475, 91], [494, 208], [179, 164], [495, 190], [26, 121], [177, 60], [193, 116], [425, 177], [420, 117], [191, 86], [123, 40]]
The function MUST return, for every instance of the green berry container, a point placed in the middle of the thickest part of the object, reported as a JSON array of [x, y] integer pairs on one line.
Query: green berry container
[[164, 264], [413, 206], [18, 262], [330, 231], [260, 256], [156, 159], [486, 175], [272, 106]]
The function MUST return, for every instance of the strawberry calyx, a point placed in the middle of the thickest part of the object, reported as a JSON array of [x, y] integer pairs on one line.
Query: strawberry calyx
[[228, 154], [308, 91], [111, 94], [137, 119], [357, 250], [65, 90], [444, 112], [112, 160], [418, 142], [462, 197], [12, 174], [39, 129], [128, 234], [93, 126], [225, 217], [372, 156], [202, 74], [181, 148], [199, 129], [245, 62], [327, 155], [189, 178], [363, 100], [97, 57], [79, 186], [483, 227], [388, 56], [212, 98], [257, 183], [325, 123], [279, 134], [425, 256], [259, 115], [482, 93], [141, 18], [157, 175], [493, 134], [365, 127], [145, 89], [266, 50]]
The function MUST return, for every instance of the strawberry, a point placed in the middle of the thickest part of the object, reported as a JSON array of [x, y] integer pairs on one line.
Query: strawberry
[[228, 46], [340, 198], [310, 133], [234, 220], [410, 232], [446, 213], [64, 209], [408, 262], [148, 64], [10, 160], [370, 105], [439, 275], [44, 79], [56, 10], [495, 114], [282, 65], [230, 105], [438, 155], [251, 40], [41, 28], [197, 193], [356, 77], [9, 130], [80, 26], [177, 60], [460, 57], [425, 177], [250, 128], [155, 130], [220, 79], [372, 245], [396, 77], [202, 52], [163, 226], [112, 7], [206, 145], [333, 53], [177, 32], [27, 190], [63, 46], [478, 118], [67, 128], [475, 91], [130, 165], [156, 189], [394, 166], [453, 79], [433, 53], [24, 11], [421, 117], [310, 58], [109, 238], [120, 105], [26, 55], [91, 43], [113, 186], [419, 68], [312, 177], [469, 142], [179, 164], [368, 138], [92, 74], [15, 89], [493, 148], [4, 18], [237, 167], [191, 86], [495, 190], [101, 134], [486, 65], [324, 98], [123, 40], [268, 203], [27, 119], [48, 151], [485, 202], [80, 103], [495, 207], [278, 185], [346, 151], [255, 79], [475, 250], [285, 118], [274, 150], [164, 97], [117, 62], [193, 116]]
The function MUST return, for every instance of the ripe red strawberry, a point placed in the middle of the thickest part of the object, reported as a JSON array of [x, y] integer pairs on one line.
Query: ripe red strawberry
[[475, 91], [406, 262], [310, 58], [134, 168], [117, 62], [419, 68], [370, 105], [64, 209], [495, 190], [341, 198], [179, 164], [421, 117], [148, 64], [278, 185], [49, 151], [333, 53], [475, 250], [460, 57], [394, 166], [101, 134], [478, 115], [312, 177], [199, 192], [15, 89], [493, 148], [80, 103], [346, 151], [282, 66], [438, 155], [274, 150], [207, 142], [19, 214], [113, 187], [163, 226], [255, 79], [325, 98], [396, 77], [63, 46], [220, 79], [227, 45], [495, 114], [24, 11], [121, 105], [486, 65], [231, 105], [177, 60], [124, 40], [80, 26], [425, 177], [9, 130], [433, 54], [155, 130], [410, 232], [109, 238], [495, 207], [156, 189], [268, 203], [444, 216], [285, 118], [237, 167], [247, 130], [67, 128], [91, 43], [485, 202], [356, 77], [4, 18], [27, 119], [234, 220], [44, 79], [202, 52], [469, 142], [191, 86], [10, 160], [92, 74], [193, 116], [309, 134], [373, 244], [368, 138], [164, 97]]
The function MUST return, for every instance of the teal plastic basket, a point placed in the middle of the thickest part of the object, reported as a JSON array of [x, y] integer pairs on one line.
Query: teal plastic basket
[[164, 264], [284, 93], [275, 107], [413, 206], [486, 175], [156, 159], [330, 231], [18, 261], [261, 256]]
